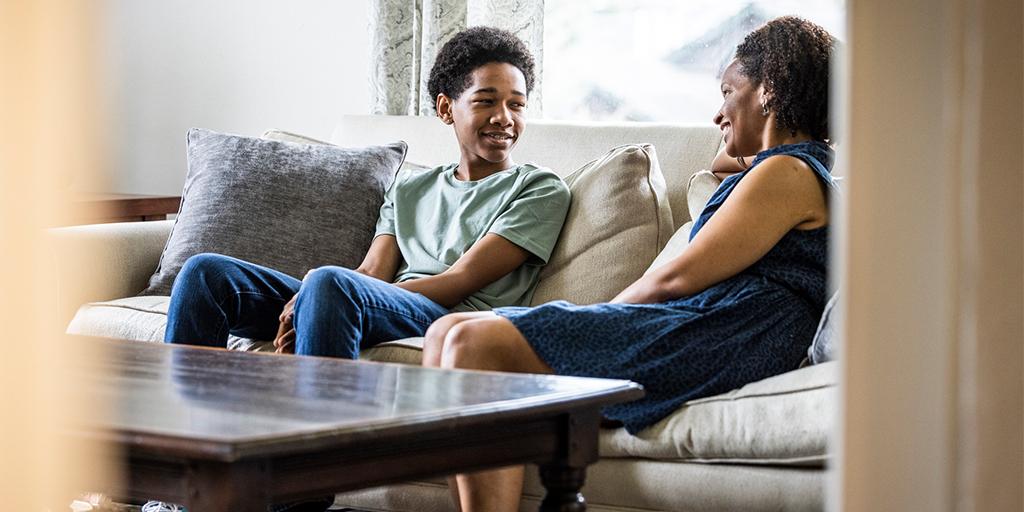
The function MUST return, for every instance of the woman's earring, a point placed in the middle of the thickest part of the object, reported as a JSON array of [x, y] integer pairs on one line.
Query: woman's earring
[[764, 109]]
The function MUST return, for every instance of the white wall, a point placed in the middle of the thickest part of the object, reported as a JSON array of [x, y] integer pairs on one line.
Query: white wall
[[239, 66]]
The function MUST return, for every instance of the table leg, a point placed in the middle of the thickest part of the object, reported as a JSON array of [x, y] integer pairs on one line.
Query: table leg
[[563, 484], [221, 487]]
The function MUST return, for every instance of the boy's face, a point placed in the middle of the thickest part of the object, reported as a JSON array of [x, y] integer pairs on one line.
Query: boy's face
[[488, 116]]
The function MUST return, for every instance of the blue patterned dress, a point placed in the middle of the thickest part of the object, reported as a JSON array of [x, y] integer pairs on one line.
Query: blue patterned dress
[[751, 326]]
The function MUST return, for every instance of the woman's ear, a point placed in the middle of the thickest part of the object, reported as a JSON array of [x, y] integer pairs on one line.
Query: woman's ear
[[762, 98], [444, 109]]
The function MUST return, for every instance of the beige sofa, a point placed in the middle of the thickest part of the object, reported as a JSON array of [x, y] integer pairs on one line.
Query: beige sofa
[[761, 447]]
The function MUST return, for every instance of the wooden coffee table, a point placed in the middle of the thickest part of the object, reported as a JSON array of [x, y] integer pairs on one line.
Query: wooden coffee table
[[217, 430]]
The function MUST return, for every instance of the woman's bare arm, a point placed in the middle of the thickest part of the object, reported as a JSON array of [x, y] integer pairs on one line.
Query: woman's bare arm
[[724, 165], [783, 193]]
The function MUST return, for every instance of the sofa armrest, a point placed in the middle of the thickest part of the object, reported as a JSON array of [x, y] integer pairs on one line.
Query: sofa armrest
[[99, 262]]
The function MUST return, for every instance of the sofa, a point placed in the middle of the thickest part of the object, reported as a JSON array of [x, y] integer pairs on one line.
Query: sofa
[[764, 446]]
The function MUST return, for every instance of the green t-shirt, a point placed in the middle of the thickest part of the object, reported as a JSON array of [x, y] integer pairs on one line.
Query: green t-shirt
[[436, 218]]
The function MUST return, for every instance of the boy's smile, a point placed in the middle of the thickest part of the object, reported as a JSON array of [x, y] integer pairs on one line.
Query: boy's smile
[[488, 119]]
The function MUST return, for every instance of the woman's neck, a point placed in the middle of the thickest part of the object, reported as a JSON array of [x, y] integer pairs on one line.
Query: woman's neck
[[776, 137]]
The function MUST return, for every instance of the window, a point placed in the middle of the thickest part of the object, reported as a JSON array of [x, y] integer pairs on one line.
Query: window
[[653, 60]]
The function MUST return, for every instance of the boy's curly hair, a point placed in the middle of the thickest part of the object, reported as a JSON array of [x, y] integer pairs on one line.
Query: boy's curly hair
[[791, 56], [472, 48]]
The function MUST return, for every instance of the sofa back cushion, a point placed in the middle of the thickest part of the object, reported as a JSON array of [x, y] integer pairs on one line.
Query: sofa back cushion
[[701, 187], [288, 206], [562, 146], [618, 220]]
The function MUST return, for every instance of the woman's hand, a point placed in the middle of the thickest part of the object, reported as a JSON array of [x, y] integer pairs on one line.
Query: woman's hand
[[649, 289], [725, 165], [284, 342]]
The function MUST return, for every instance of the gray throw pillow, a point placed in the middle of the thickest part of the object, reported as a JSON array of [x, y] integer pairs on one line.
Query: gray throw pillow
[[287, 206], [826, 339]]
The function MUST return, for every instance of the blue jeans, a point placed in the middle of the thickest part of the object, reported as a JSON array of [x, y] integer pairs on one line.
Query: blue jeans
[[337, 312]]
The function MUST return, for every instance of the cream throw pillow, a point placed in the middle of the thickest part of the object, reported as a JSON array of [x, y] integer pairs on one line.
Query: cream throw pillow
[[618, 221], [701, 187]]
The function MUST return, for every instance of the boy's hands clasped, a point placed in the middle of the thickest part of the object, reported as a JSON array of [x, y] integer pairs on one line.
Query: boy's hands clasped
[[284, 342]]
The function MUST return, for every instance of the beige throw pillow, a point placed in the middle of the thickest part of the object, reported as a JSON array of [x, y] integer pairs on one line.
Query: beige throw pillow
[[701, 187], [286, 136], [618, 221]]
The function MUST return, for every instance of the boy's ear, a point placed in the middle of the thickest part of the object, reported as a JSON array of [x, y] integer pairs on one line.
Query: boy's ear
[[444, 108]]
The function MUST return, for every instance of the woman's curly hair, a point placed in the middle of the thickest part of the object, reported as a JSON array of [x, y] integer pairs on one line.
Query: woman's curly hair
[[471, 48], [791, 56]]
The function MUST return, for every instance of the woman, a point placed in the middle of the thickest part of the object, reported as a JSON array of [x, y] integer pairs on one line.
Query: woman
[[738, 305]]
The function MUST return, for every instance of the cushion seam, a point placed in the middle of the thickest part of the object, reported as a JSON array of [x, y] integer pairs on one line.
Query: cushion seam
[[759, 395]]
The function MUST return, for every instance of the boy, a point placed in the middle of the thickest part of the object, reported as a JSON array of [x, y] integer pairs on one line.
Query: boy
[[462, 237]]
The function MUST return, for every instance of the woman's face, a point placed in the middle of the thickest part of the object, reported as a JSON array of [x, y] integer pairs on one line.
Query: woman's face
[[740, 118], [489, 115]]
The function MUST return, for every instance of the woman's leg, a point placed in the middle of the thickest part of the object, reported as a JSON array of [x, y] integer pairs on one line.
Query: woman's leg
[[432, 347], [434, 342], [216, 295], [484, 341], [339, 311]]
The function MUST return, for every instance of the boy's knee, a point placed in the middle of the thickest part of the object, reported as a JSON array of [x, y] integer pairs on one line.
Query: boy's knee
[[328, 283], [200, 268], [202, 262]]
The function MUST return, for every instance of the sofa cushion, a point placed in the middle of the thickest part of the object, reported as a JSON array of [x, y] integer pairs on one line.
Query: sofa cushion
[[784, 419], [823, 347], [286, 136], [618, 221], [132, 318], [560, 146], [635, 485], [145, 319], [259, 200], [701, 187]]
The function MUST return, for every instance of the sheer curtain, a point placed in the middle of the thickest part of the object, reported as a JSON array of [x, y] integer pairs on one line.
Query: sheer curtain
[[406, 35]]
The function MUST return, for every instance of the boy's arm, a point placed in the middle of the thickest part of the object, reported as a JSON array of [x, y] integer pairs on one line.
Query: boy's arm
[[484, 263], [382, 259]]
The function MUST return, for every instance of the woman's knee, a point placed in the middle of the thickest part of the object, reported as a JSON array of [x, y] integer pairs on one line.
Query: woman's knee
[[441, 326], [471, 344], [433, 342], [491, 343]]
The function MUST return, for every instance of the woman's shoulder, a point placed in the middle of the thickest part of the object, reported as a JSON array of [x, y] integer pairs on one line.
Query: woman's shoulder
[[812, 160], [814, 150]]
